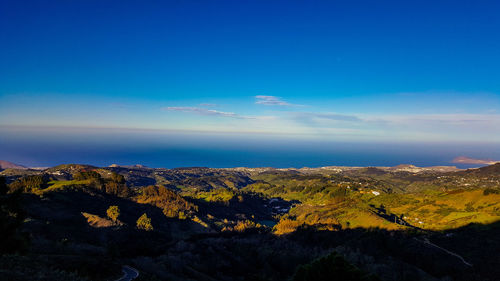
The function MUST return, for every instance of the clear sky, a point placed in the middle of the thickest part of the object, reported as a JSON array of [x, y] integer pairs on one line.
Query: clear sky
[[364, 71]]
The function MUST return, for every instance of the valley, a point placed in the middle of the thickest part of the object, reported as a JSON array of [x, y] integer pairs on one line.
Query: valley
[[383, 223]]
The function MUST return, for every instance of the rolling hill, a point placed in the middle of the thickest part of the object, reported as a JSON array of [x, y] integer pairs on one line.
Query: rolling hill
[[221, 224]]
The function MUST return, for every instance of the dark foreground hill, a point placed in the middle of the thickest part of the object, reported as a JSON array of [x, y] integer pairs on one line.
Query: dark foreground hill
[[80, 222]]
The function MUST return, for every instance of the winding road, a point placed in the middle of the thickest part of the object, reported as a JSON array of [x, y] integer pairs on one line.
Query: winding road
[[426, 241], [129, 273]]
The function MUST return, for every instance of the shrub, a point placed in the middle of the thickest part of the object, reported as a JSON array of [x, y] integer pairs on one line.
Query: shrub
[[241, 226], [144, 223], [286, 225], [113, 212], [489, 191], [469, 208]]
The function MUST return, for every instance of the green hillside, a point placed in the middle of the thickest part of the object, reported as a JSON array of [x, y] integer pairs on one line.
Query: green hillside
[[81, 222]]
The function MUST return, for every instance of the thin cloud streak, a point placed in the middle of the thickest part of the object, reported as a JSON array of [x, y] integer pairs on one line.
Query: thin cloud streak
[[204, 111], [271, 100], [331, 116], [444, 119], [212, 112], [430, 126]]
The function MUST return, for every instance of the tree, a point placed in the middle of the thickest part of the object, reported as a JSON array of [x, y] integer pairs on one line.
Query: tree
[[86, 175], [118, 189], [144, 223], [30, 183], [286, 225], [117, 178], [11, 219], [113, 213]]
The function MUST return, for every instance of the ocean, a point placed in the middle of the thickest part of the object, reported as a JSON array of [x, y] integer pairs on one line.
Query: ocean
[[102, 147]]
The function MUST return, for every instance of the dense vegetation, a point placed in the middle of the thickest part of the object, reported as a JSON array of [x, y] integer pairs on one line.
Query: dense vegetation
[[78, 222]]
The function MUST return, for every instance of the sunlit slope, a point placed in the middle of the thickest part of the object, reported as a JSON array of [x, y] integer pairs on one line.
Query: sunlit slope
[[430, 201], [332, 198], [444, 210]]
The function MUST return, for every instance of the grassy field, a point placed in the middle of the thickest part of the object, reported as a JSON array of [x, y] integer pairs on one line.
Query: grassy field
[[61, 185]]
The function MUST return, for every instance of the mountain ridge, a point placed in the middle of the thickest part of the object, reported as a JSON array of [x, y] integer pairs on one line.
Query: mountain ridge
[[9, 165], [397, 168]]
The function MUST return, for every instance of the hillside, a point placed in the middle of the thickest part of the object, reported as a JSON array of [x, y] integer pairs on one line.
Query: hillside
[[218, 224], [9, 165]]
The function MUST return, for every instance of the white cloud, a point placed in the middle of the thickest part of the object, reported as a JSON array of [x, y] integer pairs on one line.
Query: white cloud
[[415, 127], [212, 112], [271, 100]]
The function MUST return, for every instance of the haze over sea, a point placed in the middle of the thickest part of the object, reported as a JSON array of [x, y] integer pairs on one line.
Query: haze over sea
[[170, 149]]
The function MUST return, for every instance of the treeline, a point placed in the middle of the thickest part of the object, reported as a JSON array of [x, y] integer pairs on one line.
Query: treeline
[[172, 204], [114, 185], [30, 183]]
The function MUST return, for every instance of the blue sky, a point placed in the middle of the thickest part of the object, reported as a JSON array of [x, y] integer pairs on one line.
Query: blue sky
[[364, 71]]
